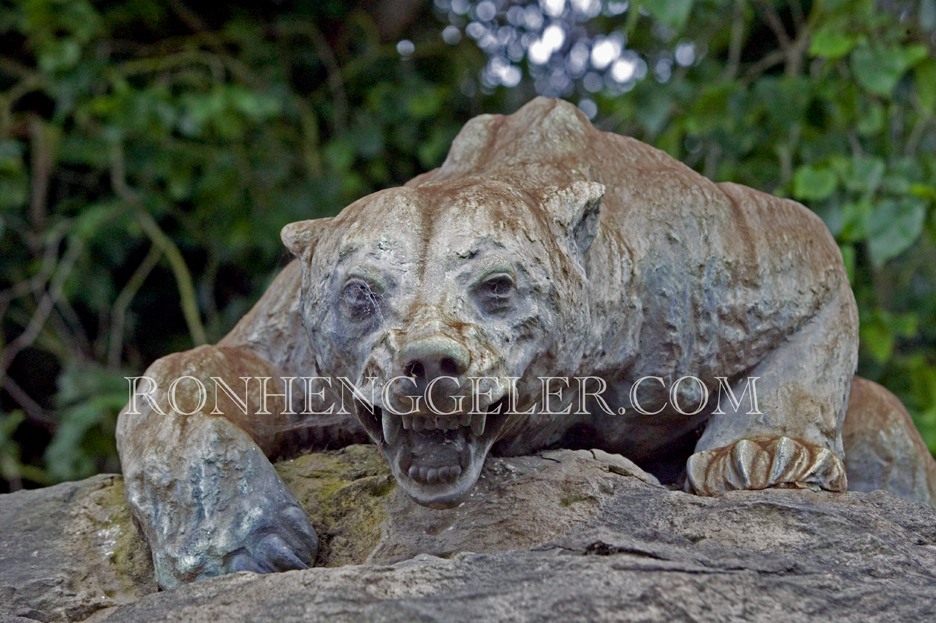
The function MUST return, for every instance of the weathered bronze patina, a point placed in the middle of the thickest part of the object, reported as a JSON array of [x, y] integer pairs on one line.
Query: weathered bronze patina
[[541, 248]]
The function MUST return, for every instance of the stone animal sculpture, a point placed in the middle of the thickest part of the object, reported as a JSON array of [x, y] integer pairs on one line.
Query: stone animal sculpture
[[542, 247]]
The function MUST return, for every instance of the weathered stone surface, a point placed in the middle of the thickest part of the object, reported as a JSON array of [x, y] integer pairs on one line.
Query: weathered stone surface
[[70, 551], [565, 535], [772, 555], [361, 516]]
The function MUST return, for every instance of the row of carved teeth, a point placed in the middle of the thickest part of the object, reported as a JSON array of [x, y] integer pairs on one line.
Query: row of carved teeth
[[433, 475], [391, 423], [444, 422]]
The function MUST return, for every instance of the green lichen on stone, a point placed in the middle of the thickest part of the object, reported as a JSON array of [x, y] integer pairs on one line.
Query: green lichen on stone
[[118, 558], [344, 493], [575, 498], [131, 556]]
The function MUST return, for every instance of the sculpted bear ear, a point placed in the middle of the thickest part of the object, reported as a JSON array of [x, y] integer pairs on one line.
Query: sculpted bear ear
[[577, 208], [302, 236]]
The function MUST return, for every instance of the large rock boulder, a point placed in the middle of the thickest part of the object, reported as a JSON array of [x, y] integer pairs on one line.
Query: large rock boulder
[[565, 535], [69, 551]]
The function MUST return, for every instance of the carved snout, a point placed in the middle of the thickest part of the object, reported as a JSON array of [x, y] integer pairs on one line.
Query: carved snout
[[433, 356]]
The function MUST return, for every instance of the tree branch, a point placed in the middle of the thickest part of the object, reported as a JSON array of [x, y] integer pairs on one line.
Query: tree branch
[[46, 304], [327, 56], [119, 310], [34, 412], [180, 270], [737, 41], [42, 162]]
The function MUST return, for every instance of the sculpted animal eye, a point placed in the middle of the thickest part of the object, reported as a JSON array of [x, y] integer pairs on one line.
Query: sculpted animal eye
[[359, 300], [495, 294]]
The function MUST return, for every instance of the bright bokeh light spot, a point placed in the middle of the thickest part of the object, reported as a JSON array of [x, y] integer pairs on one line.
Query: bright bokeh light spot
[[554, 37], [685, 54], [559, 81], [460, 7], [553, 8], [486, 11], [405, 47], [533, 17], [451, 35], [488, 43], [501, 71], [539, 53], [506, 35], [592, 82], [511, 76], [515, 51], [606, 50], [577, 60], [476, 30], [588, 107], [588, 8], [515, 15], [541, 49], [623, 70]]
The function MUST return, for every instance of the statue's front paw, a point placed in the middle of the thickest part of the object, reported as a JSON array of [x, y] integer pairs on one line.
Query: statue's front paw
[[763, 463], [287, 543], [264, 537]]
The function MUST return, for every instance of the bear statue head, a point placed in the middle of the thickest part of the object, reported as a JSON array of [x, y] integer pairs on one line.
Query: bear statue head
[[452, 298]]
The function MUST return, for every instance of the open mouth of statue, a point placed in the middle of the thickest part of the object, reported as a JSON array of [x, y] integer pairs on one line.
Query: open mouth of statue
[[437, 459]]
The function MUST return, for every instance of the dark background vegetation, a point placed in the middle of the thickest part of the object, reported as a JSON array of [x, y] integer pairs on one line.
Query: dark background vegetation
[[151, 150]]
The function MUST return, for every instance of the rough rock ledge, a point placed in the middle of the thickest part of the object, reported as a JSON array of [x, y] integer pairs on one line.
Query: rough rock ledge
[[560, 536]]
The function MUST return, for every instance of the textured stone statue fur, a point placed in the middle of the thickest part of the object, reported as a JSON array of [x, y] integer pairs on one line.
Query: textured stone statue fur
[[542, 247]]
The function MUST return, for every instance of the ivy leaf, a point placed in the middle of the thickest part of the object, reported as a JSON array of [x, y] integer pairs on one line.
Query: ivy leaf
[[814, 183], [880, 329], [923, 191], [848, 258], [854, 221], [426, 103], [893, 226], [913, 54], [872, 121], [877, 338], [879, 69], [673, 13], [925, 74], [866, 174], [831, 43]]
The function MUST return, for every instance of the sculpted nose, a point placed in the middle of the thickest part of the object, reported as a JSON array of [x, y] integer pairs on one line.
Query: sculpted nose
[[434, 356]]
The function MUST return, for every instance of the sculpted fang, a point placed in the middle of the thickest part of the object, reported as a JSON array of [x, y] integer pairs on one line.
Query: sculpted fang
[[542, 247]]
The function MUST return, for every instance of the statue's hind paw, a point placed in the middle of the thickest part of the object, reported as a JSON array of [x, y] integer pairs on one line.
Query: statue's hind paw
[[762, 463]]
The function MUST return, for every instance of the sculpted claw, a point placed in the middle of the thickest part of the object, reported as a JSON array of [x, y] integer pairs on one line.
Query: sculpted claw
[[307, 540], [242, 561], [760, 464], [274, 551]]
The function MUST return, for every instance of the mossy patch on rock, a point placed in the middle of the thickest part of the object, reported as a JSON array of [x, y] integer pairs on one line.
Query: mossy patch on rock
[[343, 492], [121, 564]]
